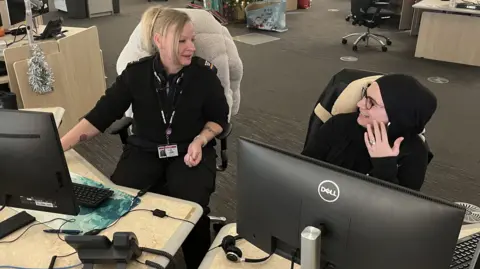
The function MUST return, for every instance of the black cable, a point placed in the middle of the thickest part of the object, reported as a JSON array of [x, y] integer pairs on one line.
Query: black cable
[[180, 219], [294, 254], [5, 203], [214, 248], [140, 262], [67, 255], [33, 225], [60, 229], [15, 37], [55, 257], [157, 212], [139, 194]]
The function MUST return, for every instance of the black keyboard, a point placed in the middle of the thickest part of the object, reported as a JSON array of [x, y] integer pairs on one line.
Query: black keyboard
[[89, 196], [464, 251]]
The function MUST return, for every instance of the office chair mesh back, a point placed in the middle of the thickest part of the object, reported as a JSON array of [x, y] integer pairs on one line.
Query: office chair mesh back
[[359, 8]]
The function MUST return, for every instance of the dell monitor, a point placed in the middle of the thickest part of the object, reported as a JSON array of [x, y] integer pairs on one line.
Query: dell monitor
[[34, 173], [367, 223]]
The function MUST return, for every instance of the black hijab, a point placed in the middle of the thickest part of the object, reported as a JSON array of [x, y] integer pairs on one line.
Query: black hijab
[[409, 106], [408, 103]]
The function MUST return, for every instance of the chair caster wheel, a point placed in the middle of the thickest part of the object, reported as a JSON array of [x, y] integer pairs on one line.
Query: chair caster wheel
[[347, 18], [344, 41], [389, 42], [384, 49], [355, 48]]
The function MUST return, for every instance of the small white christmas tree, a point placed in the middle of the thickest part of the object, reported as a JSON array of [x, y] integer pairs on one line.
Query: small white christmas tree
[[40, 75]]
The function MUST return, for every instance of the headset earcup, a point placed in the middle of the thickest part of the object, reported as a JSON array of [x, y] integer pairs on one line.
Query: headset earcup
[[234, 254], [228, 241]]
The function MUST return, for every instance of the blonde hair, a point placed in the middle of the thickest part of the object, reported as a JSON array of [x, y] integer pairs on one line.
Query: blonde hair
[[159, 19]]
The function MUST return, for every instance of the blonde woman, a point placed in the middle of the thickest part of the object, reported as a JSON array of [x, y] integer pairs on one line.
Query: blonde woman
[[179, 106]]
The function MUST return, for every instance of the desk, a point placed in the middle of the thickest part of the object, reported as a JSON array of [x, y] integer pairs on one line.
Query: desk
[[77, 64], [36, 248], [445, 33], [56, 111], [216, 259]]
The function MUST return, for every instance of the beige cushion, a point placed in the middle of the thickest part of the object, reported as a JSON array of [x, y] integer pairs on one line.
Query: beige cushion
[[347, 100]]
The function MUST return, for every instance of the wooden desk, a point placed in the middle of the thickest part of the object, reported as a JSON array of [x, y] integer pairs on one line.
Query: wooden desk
[[35, 248], [434, 20], [216, 259], [56, 111], [77, 64]]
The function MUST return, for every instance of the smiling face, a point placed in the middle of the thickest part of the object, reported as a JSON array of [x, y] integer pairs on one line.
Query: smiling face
[[371, 106], [177, 46]]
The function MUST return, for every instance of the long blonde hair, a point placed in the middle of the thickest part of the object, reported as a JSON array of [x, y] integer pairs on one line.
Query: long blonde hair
[[159, 19]]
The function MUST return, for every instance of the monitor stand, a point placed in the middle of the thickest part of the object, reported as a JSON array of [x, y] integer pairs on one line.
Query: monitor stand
[[310, 248]]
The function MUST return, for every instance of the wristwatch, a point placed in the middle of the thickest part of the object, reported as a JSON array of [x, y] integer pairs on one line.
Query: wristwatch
[[205, 141]]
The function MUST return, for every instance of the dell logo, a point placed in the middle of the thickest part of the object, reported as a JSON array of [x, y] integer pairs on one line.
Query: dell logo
[[328, 191]]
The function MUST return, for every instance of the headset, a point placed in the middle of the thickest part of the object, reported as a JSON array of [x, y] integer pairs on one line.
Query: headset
[[234, 254], [162, 80]]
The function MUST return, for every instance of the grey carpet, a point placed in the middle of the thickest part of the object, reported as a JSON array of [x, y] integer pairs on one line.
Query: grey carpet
[[283, 79]]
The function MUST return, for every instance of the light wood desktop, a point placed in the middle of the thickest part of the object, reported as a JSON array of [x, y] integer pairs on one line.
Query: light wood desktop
[[445, 33], [77, 64], [36, 248], [215, 259]]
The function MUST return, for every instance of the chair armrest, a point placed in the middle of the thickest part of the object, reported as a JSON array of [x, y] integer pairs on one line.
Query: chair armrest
[[120, 125], [381, 4], [226, 132]]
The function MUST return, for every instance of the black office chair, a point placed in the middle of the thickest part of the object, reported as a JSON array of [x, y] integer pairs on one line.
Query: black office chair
[[370, 14], [122, 128], [328, 102]]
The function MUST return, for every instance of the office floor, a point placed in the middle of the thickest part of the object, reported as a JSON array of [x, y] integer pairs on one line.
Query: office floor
[[278, 93]]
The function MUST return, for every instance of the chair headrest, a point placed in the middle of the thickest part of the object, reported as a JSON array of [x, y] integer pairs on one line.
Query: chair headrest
[[347, 100]]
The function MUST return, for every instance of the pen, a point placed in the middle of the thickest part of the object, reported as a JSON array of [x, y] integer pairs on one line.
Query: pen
[[70, 232]]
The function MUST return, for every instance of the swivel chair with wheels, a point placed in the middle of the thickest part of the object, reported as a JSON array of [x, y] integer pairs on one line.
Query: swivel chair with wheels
[[370, 14]]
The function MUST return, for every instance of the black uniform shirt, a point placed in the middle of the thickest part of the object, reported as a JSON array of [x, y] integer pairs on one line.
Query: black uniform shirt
[[202, 100]]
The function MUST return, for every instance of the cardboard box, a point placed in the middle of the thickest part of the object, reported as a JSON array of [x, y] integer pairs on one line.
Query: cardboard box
[[292, 5]]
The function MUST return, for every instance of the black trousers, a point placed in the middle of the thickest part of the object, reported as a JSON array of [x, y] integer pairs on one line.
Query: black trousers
[[139, 169]]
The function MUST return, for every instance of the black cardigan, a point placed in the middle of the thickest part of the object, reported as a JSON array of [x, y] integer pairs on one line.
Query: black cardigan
[[340, 141]]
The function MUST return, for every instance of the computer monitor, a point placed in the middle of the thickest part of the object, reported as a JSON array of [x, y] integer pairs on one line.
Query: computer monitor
[[16, 9], [369, 224], [34, 173]]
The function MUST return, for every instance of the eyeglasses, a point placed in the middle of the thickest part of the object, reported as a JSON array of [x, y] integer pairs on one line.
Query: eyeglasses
[[369, 101]]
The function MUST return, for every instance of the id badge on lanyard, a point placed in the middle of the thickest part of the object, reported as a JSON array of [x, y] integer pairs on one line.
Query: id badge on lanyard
[[168, 150]]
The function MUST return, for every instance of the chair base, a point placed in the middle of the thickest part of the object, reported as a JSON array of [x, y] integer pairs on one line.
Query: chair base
[[366, 37]]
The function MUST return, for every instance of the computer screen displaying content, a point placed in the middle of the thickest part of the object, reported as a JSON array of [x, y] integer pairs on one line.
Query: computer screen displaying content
[[16, 9], [367, 223], [34, 173]]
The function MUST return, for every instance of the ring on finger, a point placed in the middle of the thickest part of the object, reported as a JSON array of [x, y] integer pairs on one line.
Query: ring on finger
[[372, 142]]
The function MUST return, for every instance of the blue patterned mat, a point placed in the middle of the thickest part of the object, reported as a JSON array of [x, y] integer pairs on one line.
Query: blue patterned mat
[[88, 218]]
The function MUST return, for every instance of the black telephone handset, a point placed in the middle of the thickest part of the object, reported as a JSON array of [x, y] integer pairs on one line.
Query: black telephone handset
[[52, 30]]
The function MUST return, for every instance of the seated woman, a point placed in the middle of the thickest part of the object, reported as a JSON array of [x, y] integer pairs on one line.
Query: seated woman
[[179, 107], [382, 138]]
